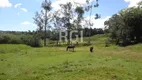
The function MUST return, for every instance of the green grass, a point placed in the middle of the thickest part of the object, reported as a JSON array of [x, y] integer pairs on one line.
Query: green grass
[[20, 62]]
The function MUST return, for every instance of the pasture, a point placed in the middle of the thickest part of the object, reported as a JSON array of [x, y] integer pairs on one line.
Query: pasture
[[21, 62]]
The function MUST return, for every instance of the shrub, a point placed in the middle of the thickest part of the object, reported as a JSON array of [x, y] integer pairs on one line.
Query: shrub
[[31, 40], [4, 39]]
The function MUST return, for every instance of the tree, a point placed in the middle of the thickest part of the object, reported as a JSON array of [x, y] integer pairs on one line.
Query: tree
[[47, 7], [133, 19], [126, 27], [57, 24], [66, 10], [79, 10], [88, 8], [41, 19], [38, 20]]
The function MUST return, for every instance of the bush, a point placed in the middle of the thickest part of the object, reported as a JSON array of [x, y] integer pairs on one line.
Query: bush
[[35, 42], [87, 44], [4, 39], [15, 40], [30, 40]]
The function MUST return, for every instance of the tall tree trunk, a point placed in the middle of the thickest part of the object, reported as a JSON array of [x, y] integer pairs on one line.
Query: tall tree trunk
[[45, 28], [68, 37]]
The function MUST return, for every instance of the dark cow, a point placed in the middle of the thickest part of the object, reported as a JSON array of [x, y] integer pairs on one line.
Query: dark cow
[[72, 46], [91, 49]]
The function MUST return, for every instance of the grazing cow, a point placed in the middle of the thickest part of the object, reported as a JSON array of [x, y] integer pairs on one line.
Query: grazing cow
[[91, 49], [72, 46]]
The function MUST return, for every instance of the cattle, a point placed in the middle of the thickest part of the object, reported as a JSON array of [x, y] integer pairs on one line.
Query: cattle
[[71, 46], [91, 49]]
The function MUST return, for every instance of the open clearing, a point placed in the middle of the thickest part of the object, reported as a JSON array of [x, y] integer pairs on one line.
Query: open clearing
[[21, 62]]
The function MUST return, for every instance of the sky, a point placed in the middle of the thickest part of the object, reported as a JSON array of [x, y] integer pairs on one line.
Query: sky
[[17, 15]]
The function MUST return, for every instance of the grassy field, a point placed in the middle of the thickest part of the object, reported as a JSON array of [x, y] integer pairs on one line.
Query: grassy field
[[21, 62]]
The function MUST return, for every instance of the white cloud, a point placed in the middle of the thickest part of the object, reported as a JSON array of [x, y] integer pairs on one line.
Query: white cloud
[[132, 2], [26, 23], [56, 4], [5, 3], [24, 9], [99, 23], [18, 5]]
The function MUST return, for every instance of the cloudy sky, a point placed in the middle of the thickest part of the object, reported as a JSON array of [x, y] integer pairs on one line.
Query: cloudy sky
[[17, 15]]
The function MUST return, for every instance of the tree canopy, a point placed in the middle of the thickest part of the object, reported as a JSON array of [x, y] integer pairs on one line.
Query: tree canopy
[[68, 17], [125, 27]]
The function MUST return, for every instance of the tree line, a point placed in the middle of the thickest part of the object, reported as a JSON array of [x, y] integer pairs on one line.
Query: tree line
[[17, 37], [32, 38]]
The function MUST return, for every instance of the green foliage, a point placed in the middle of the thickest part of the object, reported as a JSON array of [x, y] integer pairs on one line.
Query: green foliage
[[79, 11], [125, 27], [42, 20], [9, 38], [36, 41], [27, 39], [63, 19]]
